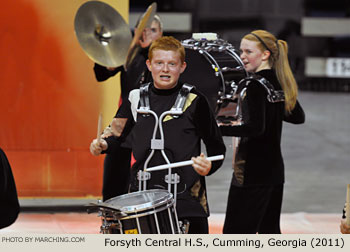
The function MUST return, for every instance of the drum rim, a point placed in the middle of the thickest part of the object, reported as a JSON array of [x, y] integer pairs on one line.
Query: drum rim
[[167, 199], [214, 45], [136, 214]]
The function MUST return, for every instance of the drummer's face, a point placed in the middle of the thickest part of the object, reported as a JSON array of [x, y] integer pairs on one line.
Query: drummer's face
[[253, 58], [166, 67]]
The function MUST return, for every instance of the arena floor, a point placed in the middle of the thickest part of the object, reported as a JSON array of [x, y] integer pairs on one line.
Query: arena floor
[[83, 223]]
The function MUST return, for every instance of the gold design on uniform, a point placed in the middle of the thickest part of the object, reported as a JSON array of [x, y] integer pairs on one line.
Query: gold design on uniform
[[239, 170], [188, 103], [195, 193]]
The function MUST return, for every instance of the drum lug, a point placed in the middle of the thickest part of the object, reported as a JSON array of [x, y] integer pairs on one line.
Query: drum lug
[[109, 227]]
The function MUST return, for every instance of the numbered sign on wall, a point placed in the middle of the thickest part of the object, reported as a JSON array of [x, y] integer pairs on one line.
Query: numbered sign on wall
[[338, 67]]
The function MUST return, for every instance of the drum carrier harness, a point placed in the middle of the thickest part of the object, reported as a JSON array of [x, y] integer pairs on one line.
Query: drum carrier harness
[[158, 143], [273, 96]]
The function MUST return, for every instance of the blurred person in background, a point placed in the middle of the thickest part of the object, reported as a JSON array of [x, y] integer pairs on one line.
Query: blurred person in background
[[117, 162]]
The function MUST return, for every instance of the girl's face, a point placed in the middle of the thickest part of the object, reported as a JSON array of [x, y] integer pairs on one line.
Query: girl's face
[[253, 58]]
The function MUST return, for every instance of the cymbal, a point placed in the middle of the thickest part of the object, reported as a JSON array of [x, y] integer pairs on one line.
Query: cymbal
[[146, 21], [102, 33]]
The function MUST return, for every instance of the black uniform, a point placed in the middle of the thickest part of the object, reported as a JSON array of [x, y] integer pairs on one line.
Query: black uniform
[[182, 141], [136, 74], [255, 197], [117, 161], [10, 208]]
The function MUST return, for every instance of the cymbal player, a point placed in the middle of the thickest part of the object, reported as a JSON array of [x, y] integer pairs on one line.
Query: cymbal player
[[117, 161]]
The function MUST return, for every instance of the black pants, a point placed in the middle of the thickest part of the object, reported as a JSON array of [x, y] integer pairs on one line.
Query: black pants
[[255, 209], [198, 225], [116, 172]]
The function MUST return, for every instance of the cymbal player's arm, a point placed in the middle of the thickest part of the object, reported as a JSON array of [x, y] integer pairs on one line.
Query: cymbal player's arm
[[103, 73], [121, 125]]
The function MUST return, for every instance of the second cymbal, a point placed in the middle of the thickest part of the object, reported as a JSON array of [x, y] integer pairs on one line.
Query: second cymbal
[[146, 21]]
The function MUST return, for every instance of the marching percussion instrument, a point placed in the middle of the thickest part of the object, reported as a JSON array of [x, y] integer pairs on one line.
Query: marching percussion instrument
[[215, 68], [102, 33], [146, 21], [142, 212]]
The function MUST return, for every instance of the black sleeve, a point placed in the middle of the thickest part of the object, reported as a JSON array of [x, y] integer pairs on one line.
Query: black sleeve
[[253, 110], [123, 112], [297, 115], [102, 73], [209, 132]]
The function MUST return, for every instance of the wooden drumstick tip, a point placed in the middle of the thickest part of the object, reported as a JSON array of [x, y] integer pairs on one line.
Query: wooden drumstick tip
[[99, 128]]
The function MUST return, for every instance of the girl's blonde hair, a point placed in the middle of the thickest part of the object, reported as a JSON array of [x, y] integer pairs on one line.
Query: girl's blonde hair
[[278, 61]]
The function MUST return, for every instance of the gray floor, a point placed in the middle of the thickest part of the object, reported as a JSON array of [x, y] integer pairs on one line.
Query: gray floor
[[316, 155]]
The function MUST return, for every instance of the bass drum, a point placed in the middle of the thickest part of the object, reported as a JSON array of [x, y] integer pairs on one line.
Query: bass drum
[[215, 69]]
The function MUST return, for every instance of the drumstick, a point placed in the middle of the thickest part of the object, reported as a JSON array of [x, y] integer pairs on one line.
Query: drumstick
[[182, 163], [99, 128], [348, 205]]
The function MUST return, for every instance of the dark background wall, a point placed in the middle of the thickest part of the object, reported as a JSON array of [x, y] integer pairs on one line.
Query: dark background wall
[[231, 19]]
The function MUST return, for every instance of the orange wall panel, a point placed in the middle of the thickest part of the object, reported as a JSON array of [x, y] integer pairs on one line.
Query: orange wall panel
[[29, 169], [50, 99]]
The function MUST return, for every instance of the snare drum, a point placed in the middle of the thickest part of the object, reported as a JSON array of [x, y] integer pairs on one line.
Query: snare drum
[[215, 68], [143, 212]]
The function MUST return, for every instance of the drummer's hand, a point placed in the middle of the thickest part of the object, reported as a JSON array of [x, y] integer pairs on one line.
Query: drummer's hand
[[344, 229], [201, 165], [97, 147], [111, 68]]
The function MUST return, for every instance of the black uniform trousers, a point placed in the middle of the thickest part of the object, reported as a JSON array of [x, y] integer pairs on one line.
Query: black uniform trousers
[[255, 209]]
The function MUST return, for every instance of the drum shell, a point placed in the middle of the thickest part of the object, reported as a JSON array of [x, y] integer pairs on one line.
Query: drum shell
[[144, 215], [205, 70], [200, 74], [148, 223]]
